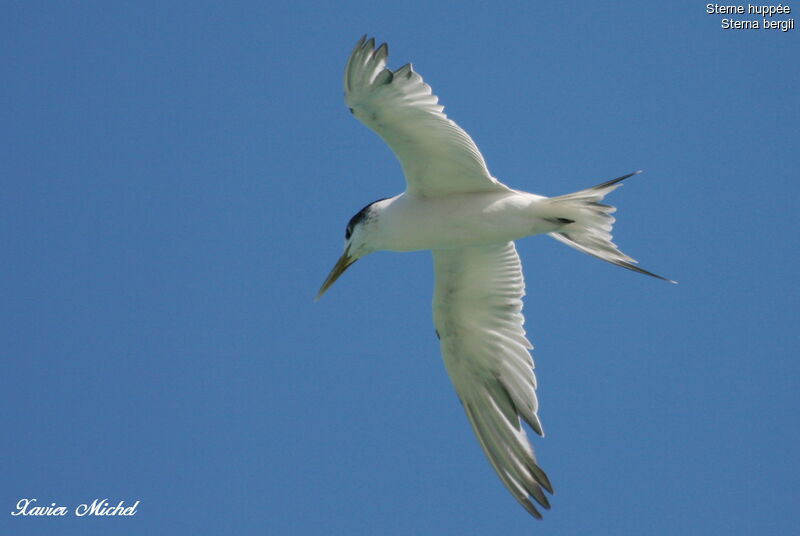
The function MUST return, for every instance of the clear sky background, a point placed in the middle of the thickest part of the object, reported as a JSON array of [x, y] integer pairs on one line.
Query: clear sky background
[[176, 179]]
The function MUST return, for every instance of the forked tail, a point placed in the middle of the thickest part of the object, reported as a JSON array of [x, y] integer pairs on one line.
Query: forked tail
[[587, 224]]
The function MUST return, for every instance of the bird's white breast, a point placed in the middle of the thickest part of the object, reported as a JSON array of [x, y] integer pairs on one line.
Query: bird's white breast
[[406, 223]]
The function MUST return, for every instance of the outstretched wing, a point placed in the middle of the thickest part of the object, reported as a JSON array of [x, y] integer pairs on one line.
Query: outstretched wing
[[477, 309], [437, 156]]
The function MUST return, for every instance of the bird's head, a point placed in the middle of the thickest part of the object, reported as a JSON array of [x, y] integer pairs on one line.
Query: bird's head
[[356, 244]]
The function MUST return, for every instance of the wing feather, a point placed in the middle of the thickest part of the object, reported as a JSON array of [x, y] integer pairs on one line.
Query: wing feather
[[437, 156], [478, 315]]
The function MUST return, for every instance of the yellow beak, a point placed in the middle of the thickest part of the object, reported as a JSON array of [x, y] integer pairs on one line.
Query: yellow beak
[[341, 265]]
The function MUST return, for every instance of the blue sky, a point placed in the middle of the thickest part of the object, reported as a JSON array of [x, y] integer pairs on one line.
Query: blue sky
[[176, 182]]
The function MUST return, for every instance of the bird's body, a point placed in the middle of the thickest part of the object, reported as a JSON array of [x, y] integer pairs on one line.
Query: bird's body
[[407, 223], [469, 220]]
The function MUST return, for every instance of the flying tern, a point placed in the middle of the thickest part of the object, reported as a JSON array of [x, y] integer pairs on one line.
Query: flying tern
[[453, 206]]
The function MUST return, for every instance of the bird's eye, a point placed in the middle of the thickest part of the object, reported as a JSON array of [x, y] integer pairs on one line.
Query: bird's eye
[[348, 231]]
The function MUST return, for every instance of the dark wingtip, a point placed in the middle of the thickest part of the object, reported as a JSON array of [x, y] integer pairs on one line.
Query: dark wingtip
[[528, 505], [541, 478]]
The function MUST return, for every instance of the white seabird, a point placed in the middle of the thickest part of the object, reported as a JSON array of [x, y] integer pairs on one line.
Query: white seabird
[[453, 206]]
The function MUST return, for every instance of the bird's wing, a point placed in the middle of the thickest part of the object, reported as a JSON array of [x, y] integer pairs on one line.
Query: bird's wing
[[437, 156], [477, 309]]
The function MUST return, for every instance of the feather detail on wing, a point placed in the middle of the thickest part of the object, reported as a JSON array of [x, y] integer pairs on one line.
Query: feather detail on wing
[[477, 311], [437, 156]]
